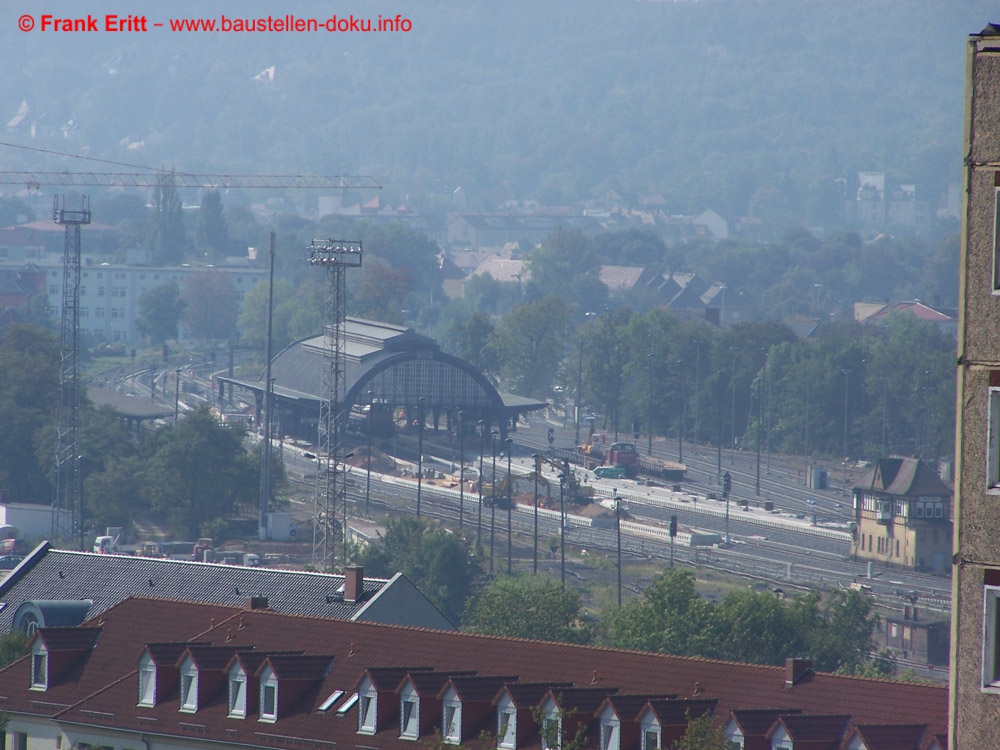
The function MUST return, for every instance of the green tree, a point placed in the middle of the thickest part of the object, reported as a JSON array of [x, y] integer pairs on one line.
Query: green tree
[[380, 290], [210, 305], [437, 561], [211, 235], [529, 343], [702, 734], [844, 636], [165, 236], [523, 606], [160, 310], [29, 386], [470, 339], [670, 618], [13, 645], [196, 471]]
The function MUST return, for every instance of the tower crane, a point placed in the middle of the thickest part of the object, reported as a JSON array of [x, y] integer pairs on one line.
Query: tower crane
[[67, 507]]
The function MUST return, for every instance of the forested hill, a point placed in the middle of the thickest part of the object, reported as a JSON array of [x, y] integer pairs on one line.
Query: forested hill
[[704, 102]]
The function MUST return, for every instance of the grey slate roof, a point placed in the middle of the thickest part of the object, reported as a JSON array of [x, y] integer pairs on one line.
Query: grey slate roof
[[49, 573]]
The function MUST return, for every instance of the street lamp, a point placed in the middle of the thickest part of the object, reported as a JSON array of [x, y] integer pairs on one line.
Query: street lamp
[[482, 449], [697, 386], [727, 485], [683, 415], [510, 508], [534, 557], [368, 478], [177, 392], [493, 499], [562, 531], [420, 450], [618, 532], [461, 477], [847, 374], [649, 412]]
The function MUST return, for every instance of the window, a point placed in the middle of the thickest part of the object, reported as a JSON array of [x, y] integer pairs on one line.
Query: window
[[238, 694], [98, 312], [269, 701], [39, 671], [409, 714], [452, 723], [650, 740], [147, 681], [996, 234], [366, 713], [189, 689], [507, 728], [20, 741], [991, 638], [551, 731], [993, 441], [609, 736]]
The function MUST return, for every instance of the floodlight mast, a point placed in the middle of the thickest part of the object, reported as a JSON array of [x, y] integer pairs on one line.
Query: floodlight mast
[[67, 506], [336, 256]]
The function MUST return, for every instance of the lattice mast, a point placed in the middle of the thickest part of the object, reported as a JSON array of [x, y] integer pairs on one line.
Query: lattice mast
[[336, 256], [67, 507]]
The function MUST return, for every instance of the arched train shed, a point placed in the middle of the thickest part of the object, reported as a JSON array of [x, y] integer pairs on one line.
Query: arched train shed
[[389, 368]]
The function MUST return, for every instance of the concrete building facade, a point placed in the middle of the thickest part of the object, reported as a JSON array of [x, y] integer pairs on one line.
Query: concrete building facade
[[975, 649]]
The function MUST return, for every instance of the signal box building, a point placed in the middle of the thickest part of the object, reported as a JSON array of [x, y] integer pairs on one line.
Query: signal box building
[[902, 516]]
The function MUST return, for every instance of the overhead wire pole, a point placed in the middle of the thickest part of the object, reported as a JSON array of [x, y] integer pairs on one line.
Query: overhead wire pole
[[336, 256], [265, 456], [68, 484]]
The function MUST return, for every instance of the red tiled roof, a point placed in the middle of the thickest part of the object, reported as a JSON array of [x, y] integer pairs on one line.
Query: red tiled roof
[[67, 639], [891, 736], [354, 646]]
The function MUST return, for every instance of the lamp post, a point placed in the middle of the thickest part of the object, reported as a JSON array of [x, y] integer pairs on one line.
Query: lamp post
[[649, 412], [177, 392], [697, 385], [618, 533], [562, 531], [579, 390], [722, 420], [732, 424], [760, 417], [510, 508], [683, 415], [420, 450], [461, 473], [727, 485], [368, 478], [534, 556], [847, 374], [493, 499], [482, 449]]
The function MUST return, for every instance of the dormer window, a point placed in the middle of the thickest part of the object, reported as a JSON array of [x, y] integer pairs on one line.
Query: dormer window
[[610, 734], [507, 728], [452, 724], [268, 695], [367, 705], [551, 732], [237, 693], [39, 669], [651, 739], [409, 715], [189, 685], [147, 681]]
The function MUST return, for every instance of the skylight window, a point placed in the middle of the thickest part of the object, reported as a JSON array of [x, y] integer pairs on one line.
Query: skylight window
[[334, 697], [348, 705]]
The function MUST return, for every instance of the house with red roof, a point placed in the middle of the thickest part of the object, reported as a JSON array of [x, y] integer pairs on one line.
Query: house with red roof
[[158, 674]]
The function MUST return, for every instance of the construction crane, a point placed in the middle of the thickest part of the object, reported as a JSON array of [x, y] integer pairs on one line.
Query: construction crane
[[36, 180], [67, 507]]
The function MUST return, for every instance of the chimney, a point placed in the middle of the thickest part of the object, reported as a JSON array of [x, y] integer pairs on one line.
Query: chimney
[[354, 578], [255, 602], [795, 670]]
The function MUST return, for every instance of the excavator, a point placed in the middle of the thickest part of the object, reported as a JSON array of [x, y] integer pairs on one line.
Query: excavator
[[573, 490]]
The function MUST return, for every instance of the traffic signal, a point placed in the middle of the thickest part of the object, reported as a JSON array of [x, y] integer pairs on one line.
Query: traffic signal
[[673, 526], [552, 435], [727, 483]]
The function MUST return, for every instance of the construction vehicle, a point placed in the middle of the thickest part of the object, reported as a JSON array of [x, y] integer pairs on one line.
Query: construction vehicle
[[573, 490], [591, 453]]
